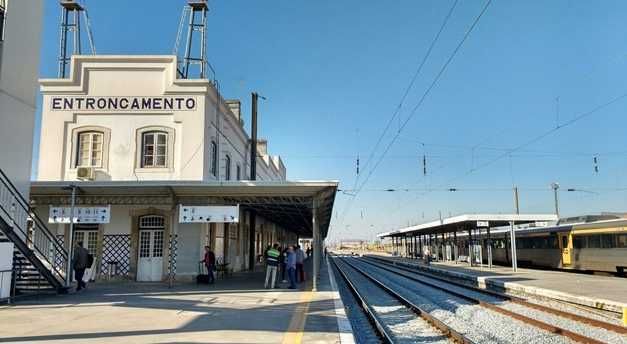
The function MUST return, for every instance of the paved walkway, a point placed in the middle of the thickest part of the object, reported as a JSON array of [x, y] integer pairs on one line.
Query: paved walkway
[[236, 310], [603, 292]]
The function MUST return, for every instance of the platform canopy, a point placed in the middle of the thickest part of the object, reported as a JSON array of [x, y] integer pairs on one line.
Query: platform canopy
[[470, 222], [287, 203]]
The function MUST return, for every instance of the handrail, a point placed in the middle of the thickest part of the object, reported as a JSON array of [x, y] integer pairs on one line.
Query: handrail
[[42, 241], [26, 205]]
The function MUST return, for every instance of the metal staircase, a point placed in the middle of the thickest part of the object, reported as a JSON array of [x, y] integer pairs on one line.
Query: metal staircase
[[39, 260]]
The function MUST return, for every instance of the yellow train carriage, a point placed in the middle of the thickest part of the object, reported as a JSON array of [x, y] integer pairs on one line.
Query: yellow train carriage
[[582, 246], [600, 246]]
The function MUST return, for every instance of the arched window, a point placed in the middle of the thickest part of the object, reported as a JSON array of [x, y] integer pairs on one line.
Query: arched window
[[151, 222], [238, 172], [154, 149], [89, 152], [227, 167], [214, 159]]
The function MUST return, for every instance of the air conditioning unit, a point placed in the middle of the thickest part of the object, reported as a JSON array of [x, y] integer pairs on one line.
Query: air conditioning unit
[[86, 173]]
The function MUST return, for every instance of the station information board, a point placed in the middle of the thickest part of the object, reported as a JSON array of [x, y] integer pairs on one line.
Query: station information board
[[209, 214], [81, 214]]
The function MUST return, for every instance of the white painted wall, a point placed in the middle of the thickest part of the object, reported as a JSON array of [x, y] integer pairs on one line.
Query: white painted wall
[[193, 131], [19, 64]]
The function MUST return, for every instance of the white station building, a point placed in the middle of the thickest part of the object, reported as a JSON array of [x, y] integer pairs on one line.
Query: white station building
[[154, 156]]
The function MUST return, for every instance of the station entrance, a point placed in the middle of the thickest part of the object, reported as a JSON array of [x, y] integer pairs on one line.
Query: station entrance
[[146, 240]]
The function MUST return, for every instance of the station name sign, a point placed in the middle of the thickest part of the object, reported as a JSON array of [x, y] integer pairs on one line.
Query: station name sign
[[123, 103]]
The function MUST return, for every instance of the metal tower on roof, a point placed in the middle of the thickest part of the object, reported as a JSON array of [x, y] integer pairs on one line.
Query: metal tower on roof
[[71, 12], [195, 13]]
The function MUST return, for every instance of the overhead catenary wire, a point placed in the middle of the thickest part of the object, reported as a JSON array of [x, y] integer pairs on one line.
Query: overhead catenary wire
[[411, 83], [403, 98], [527, 143], [420, 102]]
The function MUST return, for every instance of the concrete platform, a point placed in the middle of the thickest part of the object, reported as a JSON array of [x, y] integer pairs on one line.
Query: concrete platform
[[601, 292], [235, 310]]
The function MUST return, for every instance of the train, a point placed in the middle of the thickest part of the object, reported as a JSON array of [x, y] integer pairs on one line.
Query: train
[[591, 243]]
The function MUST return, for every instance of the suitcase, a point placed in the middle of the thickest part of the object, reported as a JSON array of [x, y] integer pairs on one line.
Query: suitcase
[[202, 278]]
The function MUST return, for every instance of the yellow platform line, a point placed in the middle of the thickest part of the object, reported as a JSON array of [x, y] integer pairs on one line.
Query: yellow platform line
[[296, 328]]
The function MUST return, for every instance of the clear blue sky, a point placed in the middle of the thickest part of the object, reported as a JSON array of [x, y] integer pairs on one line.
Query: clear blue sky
[[334, 72]]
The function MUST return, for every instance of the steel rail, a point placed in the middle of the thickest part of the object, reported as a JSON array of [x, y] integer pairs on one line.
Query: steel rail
[[537, 323], [593, 322], [367, 309], [438, 324]]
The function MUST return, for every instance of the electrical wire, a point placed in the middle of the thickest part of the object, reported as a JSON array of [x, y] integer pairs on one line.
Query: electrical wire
[[420, 102], [403, 98], [527, 143]]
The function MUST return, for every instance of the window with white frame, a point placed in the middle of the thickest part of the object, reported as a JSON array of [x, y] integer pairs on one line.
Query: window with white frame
[[154, 149], [227, 167], [238, 172], [214, 159], [89, 152]]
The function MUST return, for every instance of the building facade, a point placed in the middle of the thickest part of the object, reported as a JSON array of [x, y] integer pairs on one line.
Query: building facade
[[19, 64], [131, 119]]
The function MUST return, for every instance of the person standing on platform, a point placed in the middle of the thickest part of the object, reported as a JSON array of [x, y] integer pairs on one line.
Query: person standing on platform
[[265, 254], [290, 263], [272, 263], [300, 264], [79, 262], [283, 262], [210, 263]]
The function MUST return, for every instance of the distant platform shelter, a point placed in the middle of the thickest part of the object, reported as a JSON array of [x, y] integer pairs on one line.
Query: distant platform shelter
[[459, 236]]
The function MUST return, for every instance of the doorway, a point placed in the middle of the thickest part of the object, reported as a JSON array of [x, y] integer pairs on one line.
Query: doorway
[[88, 236], [150, 252], [565, 243]]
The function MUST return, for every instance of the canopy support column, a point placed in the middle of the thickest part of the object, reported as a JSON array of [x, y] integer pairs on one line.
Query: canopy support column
[[470, 246], [251, 239], [317, 249], [512, 234], [489, 250], [455, 250]]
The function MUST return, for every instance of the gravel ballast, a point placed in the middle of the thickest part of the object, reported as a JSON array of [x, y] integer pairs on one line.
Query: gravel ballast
[[402, 323], [548, 318], [477, 323]]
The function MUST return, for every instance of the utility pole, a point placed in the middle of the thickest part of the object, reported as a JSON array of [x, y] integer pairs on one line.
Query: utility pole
[[253, 176], [512, 233], [555, 186], [253, 138], [516, 204]]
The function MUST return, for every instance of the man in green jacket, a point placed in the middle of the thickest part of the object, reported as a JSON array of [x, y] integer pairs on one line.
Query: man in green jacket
[[272, 263]]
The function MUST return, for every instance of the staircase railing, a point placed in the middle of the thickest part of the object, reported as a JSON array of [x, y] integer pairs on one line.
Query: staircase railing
[[32, 231]]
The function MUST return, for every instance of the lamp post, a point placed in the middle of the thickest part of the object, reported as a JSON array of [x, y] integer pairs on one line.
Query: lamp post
[[555, 186], [68, 273]]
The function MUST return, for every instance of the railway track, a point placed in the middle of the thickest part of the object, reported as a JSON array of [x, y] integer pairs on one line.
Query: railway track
[[375, 301], [573, 326], [612, 325]]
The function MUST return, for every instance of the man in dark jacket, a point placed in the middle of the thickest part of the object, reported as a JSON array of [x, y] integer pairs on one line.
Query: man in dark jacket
[[80, 261], [210, 263]]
